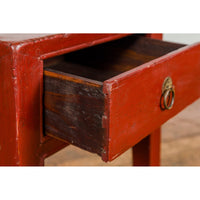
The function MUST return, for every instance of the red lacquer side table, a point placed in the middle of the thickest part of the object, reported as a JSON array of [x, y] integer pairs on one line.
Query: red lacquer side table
[[22, 138]]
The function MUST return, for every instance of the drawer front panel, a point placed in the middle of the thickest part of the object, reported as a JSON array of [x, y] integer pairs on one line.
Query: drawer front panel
[[133, 98]]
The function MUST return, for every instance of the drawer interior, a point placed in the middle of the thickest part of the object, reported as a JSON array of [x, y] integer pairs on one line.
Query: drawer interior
[[104, 61], [75, 103]]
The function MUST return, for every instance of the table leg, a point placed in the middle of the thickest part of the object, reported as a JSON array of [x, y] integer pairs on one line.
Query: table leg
[[147, 151]]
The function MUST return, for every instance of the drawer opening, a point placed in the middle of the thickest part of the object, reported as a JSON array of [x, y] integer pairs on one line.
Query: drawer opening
[[76, 104], [104, 61]]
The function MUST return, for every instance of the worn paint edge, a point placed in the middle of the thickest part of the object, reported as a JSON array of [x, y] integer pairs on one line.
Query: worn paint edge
[[152, 63], [106, 122], [73, 78]]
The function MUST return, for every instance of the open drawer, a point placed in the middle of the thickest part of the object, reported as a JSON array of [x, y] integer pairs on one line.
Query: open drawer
[[108, 97]]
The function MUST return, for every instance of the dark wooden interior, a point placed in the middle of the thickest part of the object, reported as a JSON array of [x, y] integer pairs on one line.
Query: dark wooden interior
[[74, 101], [104, 61]]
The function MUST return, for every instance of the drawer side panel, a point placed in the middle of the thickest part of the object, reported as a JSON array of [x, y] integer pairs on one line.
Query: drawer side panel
[[73, 111]]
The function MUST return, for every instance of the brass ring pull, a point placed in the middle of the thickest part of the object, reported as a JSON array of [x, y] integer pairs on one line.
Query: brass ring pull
[[168, 94], [166, 97]]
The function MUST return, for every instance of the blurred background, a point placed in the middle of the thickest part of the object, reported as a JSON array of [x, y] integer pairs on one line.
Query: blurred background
[[180, 145]]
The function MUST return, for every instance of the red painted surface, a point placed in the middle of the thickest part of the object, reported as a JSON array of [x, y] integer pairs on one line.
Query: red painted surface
[[53, 45], [49, 147], [147, 151], [134, 97], [157, 36], [21, 73], [8, 135]]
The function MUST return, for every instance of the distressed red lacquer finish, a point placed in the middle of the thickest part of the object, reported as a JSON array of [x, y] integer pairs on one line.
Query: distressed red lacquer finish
[[133, 97], [147, 151], [21, 106]]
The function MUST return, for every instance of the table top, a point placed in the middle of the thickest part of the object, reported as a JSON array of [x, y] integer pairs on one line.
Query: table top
[[21, 37], [47, 45]]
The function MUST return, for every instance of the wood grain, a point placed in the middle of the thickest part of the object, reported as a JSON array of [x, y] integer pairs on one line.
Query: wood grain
[[117, 86], [104, 61], [74, 110]]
